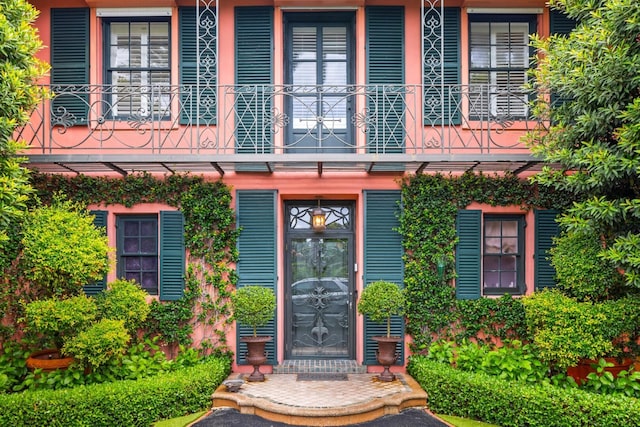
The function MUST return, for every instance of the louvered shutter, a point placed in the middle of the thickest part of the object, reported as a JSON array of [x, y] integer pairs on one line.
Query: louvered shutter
[[382, 261], [546, 228], [468, 254], [385, 75], [206, 103], [254, 68], [70, 65], [256, 217], [442, 108], [172, 255], [99, 220]]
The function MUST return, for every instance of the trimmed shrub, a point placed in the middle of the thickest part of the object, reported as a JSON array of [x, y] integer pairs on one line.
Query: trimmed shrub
[[483, 397], [104, 340], [126, 301], [123, 403]]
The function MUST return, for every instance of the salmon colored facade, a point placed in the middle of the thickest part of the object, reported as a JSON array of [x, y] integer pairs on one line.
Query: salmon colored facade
[[296, 104]]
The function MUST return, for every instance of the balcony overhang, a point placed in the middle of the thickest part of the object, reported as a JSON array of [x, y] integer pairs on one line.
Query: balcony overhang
[[125, 164]]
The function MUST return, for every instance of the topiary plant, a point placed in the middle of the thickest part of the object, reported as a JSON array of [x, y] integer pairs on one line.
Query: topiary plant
[[380, 300], [253, 306]]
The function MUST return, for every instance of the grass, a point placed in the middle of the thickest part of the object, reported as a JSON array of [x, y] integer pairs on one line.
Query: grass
[[180, 421], [464, 422]]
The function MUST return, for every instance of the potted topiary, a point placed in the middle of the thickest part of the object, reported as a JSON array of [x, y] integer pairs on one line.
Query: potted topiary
[[254, 306], [86, 330], [61, 251], [379, 301], [56, 320]]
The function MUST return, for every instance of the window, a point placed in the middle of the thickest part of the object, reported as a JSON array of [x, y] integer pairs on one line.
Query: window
[[499, 60], [503, 250], [137, 249], [137, 67]]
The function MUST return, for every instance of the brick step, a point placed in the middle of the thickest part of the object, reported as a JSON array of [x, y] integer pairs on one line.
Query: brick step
[[319, 366]]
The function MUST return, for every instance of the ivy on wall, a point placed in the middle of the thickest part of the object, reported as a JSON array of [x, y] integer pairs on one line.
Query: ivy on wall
[[428, 230], [210, 238]]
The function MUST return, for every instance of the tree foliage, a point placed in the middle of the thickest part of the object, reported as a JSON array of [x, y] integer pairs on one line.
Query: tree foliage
[[595, 131], [19, 71]]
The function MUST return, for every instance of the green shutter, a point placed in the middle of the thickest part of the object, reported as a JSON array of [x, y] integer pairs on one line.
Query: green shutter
[[559, 23], [70, 64], [449, 74], [188, 23], [468, 252], [172, 255], [382, 260], [254, 65], [546, 228], [100, 220], [385, 75], [256, 217]]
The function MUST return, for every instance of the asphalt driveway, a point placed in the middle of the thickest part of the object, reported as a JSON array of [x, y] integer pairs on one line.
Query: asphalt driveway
[[232, 418]]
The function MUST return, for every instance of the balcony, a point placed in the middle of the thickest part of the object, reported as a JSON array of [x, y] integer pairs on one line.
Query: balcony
[[373, 128]]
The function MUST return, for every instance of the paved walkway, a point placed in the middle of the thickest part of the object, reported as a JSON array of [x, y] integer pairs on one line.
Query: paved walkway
[[354, 399]]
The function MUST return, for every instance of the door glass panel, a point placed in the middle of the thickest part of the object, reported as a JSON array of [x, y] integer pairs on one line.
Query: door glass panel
[[320, 294]]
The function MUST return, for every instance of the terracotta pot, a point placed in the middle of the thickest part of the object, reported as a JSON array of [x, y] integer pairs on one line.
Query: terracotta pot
[[256, 355], [48, 360], [580, 372], [387, 355]]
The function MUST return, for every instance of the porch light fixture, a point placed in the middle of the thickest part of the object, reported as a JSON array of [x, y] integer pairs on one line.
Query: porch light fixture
[[318, 219]]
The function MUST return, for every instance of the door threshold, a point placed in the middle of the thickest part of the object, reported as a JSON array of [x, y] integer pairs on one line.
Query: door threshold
[[319, 366]]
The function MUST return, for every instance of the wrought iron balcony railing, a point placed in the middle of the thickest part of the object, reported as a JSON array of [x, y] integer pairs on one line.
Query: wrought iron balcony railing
[[280, 119]]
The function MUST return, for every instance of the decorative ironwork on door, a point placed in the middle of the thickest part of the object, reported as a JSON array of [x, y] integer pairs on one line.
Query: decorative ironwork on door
[[319, 284]]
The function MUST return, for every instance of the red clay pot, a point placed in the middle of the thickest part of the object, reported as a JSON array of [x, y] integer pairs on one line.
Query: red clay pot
[[48, 360], [580, 372]]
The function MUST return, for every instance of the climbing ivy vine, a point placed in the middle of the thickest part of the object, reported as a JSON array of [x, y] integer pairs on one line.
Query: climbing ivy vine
[[210, 238], [427, 226]]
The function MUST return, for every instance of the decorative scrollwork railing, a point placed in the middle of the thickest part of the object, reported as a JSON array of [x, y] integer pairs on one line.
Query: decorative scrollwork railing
[[256, 119]]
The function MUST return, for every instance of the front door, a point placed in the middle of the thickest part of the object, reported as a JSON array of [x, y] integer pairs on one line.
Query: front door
[[319, 75], [319, 288]]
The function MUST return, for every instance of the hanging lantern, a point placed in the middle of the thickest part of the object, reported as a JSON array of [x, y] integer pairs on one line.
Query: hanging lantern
[[318, 219]]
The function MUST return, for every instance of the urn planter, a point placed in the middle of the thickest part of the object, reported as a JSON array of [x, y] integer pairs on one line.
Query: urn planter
[[387, 355], [256, 355]]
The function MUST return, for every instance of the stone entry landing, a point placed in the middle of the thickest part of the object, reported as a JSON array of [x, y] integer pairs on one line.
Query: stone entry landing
[[322, 403]]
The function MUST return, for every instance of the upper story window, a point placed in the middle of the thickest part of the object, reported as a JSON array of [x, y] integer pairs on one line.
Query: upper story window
[[503, 255], [500, 57], [137, 67]]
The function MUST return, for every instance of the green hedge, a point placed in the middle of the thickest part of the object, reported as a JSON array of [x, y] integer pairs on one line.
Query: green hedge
[[486, 398], [122, 403]]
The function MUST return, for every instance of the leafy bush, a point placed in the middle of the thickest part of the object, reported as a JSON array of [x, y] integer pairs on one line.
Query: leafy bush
[[580, 270], [101, 342], [508, 403], [62, 249], [60, 319], [123, 403], [124, 300], [565, 330]]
